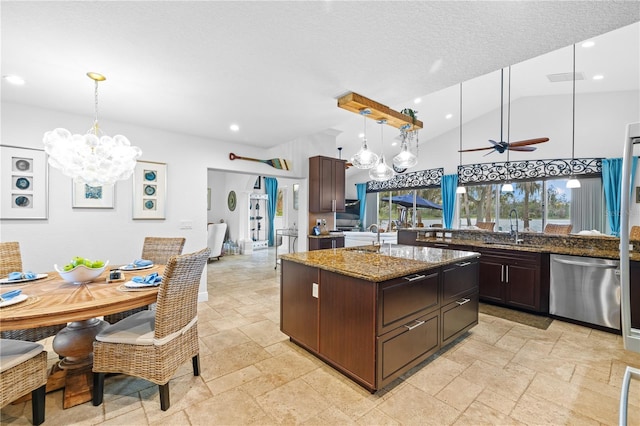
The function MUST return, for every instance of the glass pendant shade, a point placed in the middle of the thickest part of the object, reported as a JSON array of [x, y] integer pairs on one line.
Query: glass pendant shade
[[405, 158], [461, 190], [507, 187], [381, 172], [365, 158], [573, 183], [92, 158]]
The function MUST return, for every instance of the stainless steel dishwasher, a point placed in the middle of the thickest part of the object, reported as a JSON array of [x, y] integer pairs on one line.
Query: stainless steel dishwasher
[[585, 289]]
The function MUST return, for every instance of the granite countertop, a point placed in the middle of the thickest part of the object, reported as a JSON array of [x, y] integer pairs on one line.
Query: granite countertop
[[603, 246], [379, 264], [334, 235]]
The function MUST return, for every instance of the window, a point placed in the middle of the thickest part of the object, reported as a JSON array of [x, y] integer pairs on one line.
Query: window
[[400, 212], [536, 203]]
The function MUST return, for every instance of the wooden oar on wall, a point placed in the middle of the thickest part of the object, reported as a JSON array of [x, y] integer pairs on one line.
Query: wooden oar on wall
[[277, 163]]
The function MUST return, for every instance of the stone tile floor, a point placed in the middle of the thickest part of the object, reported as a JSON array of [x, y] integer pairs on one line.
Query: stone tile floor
[[501, 373]]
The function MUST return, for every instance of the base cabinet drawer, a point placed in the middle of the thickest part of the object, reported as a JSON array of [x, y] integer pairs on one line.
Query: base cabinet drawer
[[406, 346], [459, 316], [406, 297], [459, 278]]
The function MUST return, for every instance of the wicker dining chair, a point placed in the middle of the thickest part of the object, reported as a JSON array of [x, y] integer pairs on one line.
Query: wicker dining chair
[[158, 250], [487, 226], [152, 345], [11, 261], [555, 228], [634, 234], [23, 369]]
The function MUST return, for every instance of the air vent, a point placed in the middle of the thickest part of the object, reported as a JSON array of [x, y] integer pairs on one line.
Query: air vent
[[564, 76]]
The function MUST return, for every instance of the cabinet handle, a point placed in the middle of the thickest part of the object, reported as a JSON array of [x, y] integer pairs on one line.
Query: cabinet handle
[[507, 274], [463, 264], [502, 273], [333, 205], [417, 324], [333, 243], [441, 245], [463, 301], [414, 277]]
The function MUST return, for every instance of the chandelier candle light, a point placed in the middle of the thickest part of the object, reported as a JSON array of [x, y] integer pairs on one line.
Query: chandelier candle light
[[92, 158], [573, 183], [381, 172], [365, 158], [461, 189]]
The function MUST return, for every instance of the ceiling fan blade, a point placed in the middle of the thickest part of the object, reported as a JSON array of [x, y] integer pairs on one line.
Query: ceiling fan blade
[[476, 149], [522, 148], [529, 142]]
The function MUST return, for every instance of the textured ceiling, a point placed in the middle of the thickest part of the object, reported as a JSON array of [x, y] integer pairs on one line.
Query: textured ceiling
[[274, 68]]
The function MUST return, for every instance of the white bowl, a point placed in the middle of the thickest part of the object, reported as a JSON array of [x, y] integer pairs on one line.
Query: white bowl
[[80, 274]]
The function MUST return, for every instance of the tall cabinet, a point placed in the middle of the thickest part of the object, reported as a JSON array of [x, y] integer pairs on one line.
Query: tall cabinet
[[326, 184]]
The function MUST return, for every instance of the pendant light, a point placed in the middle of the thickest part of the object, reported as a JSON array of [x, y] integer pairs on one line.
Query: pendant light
[[573, 183], [461, 189], [507, 187], [93, 158], [364, 158], [405, 159], [381, 172]]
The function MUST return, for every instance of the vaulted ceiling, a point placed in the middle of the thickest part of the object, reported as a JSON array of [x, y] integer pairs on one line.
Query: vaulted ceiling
[[274, 68]]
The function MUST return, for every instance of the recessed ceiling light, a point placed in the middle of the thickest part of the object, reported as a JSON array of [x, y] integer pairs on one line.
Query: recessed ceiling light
[[417, 100], [448, 116], [598, 77], [361, 135], [394, 143], [14, 79], [588, 44], [234, 127]]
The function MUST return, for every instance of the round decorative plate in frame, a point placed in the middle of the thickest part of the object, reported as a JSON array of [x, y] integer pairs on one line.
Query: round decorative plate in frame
[[231, 200], [23, 183]]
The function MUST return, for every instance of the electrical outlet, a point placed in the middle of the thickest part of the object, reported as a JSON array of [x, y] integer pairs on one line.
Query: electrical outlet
[[318, 222]]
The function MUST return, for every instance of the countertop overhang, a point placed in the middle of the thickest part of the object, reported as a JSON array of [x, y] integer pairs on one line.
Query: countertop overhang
[[380, 263]]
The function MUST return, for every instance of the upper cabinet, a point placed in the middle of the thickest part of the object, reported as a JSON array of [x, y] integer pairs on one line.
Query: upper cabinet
[[326, 184]]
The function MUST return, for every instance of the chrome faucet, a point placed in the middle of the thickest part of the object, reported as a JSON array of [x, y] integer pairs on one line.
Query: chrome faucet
[[514, 228], [374, 225]]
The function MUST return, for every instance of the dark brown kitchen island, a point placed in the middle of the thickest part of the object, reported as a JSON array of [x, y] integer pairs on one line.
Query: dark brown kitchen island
[[375, 312]]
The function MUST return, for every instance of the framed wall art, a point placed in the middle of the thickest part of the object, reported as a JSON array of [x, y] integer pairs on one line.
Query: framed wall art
[[92, 197], [24, 183], [149, 190], [256, 185]]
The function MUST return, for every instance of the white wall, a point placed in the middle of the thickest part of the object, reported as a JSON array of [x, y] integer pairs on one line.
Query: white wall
[[112, 234]]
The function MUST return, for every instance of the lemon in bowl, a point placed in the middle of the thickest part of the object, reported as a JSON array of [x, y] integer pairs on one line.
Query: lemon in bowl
[[80, 270]]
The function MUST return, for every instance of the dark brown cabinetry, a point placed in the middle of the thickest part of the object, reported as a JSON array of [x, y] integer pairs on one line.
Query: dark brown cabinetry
[[515, 278], [634, 287], [375, 332], [326, 243], [326, 184]]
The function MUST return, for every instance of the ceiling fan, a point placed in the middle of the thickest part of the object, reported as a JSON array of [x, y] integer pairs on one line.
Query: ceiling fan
[[503, 146]]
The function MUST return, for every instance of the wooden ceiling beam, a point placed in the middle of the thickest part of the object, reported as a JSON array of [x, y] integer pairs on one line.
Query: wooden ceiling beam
[[355, 103]]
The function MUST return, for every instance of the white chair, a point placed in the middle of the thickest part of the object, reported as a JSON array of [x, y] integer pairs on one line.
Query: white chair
[[215, 238]]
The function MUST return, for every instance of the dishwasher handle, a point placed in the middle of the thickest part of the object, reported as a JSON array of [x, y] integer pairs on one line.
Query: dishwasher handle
[[591, 265]]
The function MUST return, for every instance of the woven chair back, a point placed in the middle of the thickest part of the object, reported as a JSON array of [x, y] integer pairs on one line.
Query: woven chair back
[[634, 234], [554, 228], [10, 258], [159, 250], [486, 225], [178, 294]]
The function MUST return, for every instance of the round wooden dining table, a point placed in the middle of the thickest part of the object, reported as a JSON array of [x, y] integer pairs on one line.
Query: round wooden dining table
[[53, 301]]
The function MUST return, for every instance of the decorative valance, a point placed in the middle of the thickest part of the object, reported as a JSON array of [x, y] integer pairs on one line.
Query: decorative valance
[[412, 180], [528, 170]]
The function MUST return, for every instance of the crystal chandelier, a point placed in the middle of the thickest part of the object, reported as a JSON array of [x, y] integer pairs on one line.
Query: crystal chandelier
[[381, 172], [92, 158], [364, 158]]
